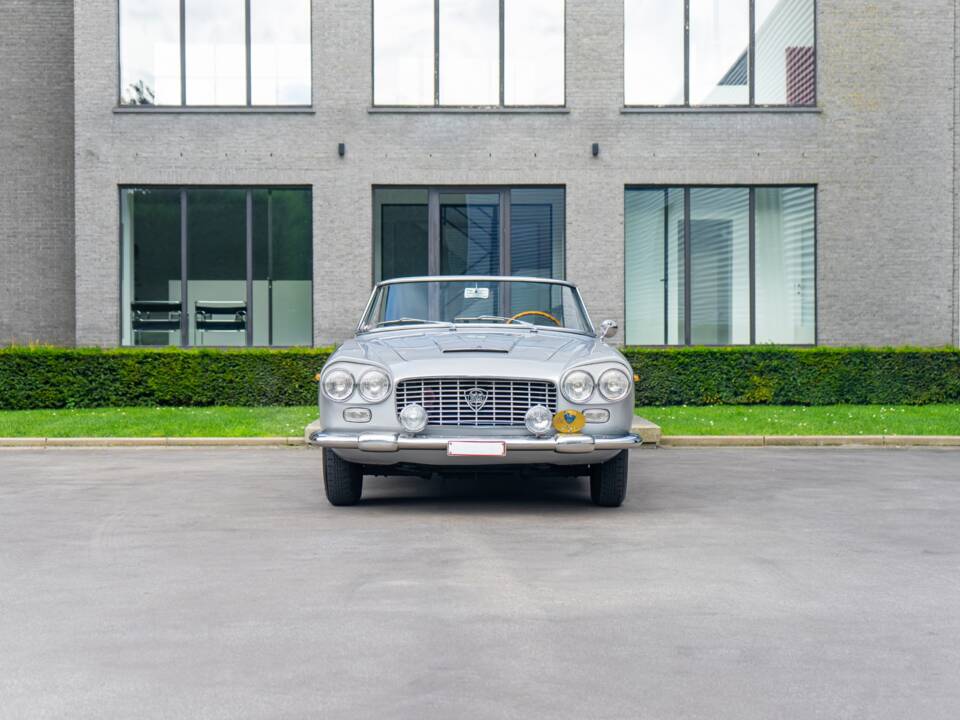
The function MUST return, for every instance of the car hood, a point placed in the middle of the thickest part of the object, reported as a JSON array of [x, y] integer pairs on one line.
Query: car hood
[[491, 352]]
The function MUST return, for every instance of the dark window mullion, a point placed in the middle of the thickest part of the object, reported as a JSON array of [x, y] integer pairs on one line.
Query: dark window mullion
[[436, 52], [249, 55], [184, 306], [183, 52], [686, 52], [752, 54], [503, 52], [752, 233], [666, 266], [249, 245], [505, 236], [687, 270]]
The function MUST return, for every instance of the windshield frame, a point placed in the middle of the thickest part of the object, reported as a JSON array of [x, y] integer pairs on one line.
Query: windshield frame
[[363, 329]]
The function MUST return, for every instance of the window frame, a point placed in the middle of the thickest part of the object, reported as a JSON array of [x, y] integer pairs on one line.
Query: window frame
[[182, 190], [501, 105], [433, 222], [752, 259], [248, 70], [751, 103]]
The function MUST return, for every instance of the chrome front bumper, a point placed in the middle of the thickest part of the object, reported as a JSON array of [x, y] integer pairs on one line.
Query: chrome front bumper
[[393, 442]]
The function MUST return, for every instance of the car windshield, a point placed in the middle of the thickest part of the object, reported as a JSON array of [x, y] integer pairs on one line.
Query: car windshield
[[520, 303]]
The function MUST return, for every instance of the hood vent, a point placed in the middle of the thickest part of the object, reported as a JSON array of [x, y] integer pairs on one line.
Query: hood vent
[[495, 351]]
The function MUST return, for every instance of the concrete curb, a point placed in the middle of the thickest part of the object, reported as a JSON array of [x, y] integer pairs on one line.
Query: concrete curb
[[150, 442], [889, 441]]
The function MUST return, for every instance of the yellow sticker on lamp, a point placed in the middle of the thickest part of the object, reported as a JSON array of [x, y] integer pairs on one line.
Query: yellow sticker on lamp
[[568, 422]]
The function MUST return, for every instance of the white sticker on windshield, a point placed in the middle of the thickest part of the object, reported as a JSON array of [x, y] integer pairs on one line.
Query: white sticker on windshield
[[476, 293]]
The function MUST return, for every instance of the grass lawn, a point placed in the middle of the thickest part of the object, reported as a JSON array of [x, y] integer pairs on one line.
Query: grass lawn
[[791, 420], [277, 421], [158, 422]]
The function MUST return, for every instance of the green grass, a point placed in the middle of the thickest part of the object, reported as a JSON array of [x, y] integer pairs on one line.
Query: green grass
[[290, 421], [158, 422], [799, 420]]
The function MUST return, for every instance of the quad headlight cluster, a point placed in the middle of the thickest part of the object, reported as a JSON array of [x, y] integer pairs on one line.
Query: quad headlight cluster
[[340, 384], [579, 386]]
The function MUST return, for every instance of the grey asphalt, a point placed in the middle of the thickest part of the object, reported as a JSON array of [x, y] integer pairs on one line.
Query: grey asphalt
[[197, 583]]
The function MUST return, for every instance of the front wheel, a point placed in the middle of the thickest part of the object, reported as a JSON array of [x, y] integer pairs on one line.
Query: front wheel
[[608, 482], [342, 480]]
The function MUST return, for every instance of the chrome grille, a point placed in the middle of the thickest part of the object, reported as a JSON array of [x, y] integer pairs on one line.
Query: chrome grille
[[445, 400]]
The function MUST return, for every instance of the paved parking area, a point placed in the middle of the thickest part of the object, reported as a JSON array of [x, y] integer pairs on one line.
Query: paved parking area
[[193, 583]]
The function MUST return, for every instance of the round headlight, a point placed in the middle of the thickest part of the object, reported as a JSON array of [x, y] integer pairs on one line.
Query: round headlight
[[374, 386], [614, 385], [338, 385], [578, 386], [413, 418], [538, 420]]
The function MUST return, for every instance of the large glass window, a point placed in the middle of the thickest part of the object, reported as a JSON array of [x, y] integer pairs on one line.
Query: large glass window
[[786, 299], [746, 275], [468, 52], [508, 231], [214, 52], [708, 52], [216, 267]]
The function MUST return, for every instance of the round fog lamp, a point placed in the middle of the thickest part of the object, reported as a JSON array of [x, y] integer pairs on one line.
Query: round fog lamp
[[538, 420], [413, 418]]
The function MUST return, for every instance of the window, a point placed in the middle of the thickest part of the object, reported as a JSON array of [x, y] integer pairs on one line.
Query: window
[[216, 266], [710, 53], [746, 275], [440, 231], [468, 53], [209, 53]]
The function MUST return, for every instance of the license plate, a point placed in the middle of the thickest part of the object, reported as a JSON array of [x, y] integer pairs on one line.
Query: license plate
[[470, 448]]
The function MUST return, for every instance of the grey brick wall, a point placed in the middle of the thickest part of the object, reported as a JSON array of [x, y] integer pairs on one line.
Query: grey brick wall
[[36, 171], [881, 151]]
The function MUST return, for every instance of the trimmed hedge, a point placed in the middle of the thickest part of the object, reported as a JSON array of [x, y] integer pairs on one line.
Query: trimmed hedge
[[44, 377], [770, 375]]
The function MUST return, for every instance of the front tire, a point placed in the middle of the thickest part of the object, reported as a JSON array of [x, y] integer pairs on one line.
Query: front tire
[[608, 482], [342, 480]]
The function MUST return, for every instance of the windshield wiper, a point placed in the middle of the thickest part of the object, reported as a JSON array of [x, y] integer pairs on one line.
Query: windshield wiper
[[412, 321], [496, 318]]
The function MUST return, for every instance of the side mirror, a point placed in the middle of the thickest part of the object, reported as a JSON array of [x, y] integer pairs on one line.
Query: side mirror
[[608, 329]]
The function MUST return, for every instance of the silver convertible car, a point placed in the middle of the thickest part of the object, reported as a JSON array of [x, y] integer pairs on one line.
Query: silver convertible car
[[474, 374]]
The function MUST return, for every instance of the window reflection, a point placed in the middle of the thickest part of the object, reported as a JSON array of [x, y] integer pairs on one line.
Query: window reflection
[[403, 52], [469, 52], [719, 52], [534, 52], [150, 52], [216, 52], [280, 52], [785, 55], [653, 52]]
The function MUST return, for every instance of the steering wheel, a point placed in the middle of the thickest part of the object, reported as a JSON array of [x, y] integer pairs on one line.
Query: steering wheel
[[537, 313]]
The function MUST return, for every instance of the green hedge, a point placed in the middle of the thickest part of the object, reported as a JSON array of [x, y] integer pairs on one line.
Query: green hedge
[[791, 376], [43, 377]]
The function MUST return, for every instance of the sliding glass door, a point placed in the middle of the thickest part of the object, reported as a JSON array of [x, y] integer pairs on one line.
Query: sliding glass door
[[470, 231]]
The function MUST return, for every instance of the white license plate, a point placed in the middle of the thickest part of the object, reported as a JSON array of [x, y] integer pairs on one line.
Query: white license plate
[[471, 448]]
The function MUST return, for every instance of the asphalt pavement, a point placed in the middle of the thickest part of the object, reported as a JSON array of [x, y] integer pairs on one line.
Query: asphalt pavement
[[734, 583]]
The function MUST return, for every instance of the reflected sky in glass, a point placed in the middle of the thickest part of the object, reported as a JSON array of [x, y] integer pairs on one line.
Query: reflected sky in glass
[[653, 52], [280, 52], [719, 38], [469, 52], [534, 52], [150, 52], [216, 52], [403, 52]]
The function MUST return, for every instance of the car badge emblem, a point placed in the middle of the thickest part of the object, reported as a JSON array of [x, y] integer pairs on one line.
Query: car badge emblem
[[476, 398]]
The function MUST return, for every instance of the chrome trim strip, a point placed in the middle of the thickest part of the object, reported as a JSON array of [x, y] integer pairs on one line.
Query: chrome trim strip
[[391, 442]]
